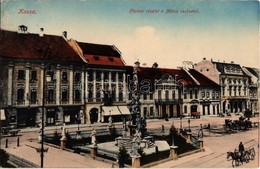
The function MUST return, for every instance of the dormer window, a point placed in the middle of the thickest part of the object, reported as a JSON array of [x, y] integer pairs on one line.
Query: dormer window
[[96, 57], [111, 59]]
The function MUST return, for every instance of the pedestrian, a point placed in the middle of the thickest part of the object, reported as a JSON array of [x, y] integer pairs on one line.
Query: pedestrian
[[162, 128]]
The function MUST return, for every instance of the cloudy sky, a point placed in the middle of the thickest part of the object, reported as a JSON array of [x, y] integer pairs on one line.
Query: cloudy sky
[[219, 30]]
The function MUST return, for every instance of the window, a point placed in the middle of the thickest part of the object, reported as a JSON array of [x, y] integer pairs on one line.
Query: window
[[21, 75], [217, 95], [167, 95], [230, 91], [77, 77], [111, 59], [207, 94], [185, 109], [120, 96], [20, 94], [77, 95], [196, 94], [223, 91], [113, 95], [51, 74], [98, 76], [213, 95], [64, 76], [113, 77], [191, 97], [173, 94], [151, 96], [145, 111], [185, 94], [151, 111], [98, 96], [33, 95], [90, 76], [90, 95], [96, 57], [203, 94], [51, 96], [33, 75], [159, 94], [64, 94]]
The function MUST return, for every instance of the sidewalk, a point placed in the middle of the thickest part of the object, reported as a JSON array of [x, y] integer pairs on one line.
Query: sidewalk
[[185, 159], [55, 158]]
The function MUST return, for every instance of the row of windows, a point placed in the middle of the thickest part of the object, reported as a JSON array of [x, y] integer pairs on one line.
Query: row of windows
[[105, 76], [51, 74], [50, 95]]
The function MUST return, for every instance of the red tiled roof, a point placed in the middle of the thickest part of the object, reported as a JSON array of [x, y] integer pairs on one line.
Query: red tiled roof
[[152, 74], [104, 60], [97, 54], [32, 46], [99, 49], [203, 80]]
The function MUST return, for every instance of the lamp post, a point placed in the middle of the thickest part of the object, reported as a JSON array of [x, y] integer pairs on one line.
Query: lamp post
[[180, 121], [43, 110], [189, 124]]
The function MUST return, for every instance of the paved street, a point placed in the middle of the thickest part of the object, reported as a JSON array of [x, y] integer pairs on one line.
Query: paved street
[[216, 146]]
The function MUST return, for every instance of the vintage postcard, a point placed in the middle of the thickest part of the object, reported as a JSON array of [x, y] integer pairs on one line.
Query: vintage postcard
[[135, 84]]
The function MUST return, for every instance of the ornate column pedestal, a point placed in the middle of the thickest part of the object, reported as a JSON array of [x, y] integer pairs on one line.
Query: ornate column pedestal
[[173, 152]]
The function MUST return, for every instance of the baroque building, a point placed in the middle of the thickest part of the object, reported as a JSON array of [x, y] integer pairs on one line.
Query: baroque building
[[176, 92], [234, 84], [71, 82], [105, 81], [27, 61]]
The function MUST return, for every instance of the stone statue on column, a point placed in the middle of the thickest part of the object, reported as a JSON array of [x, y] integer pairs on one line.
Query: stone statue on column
[[93, 138]]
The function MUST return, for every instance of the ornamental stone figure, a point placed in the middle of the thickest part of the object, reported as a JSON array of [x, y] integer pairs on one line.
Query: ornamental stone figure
[[63, 133], [93, 137], [110, 120]]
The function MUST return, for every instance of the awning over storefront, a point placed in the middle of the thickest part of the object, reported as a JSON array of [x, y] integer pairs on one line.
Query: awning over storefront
[[124, 110], [2, 114], [110, 111]]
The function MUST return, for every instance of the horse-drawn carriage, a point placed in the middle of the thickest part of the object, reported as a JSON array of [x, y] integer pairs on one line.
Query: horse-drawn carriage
[[241, 124], [238, 157]]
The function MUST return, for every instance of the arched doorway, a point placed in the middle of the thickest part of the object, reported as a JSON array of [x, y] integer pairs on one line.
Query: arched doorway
[[193, 108], [93, 115]]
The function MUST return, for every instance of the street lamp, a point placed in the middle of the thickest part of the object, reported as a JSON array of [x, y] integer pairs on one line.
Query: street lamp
[[189, 124], [180, 121], [48, 79]]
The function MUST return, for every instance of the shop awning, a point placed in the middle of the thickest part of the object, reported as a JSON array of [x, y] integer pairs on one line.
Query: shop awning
[[110, 110], [2, 114], [124, 110]]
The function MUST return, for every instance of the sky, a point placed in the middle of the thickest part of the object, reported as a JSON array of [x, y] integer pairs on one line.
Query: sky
[[164, 31]]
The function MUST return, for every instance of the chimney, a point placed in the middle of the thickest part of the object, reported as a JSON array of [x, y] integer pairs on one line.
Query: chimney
[[22, 29], [155, 65], [232, 62], [41, 32], [204, 58], [137, 64], [64, 33]]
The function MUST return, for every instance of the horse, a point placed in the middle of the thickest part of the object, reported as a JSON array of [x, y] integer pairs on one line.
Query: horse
[[235, 158]]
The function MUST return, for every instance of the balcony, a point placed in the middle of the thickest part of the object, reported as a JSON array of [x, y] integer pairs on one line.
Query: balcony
[[50, 102], [20, 102], [77, 102], [64, 101], [33, 102], [168, 101]]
